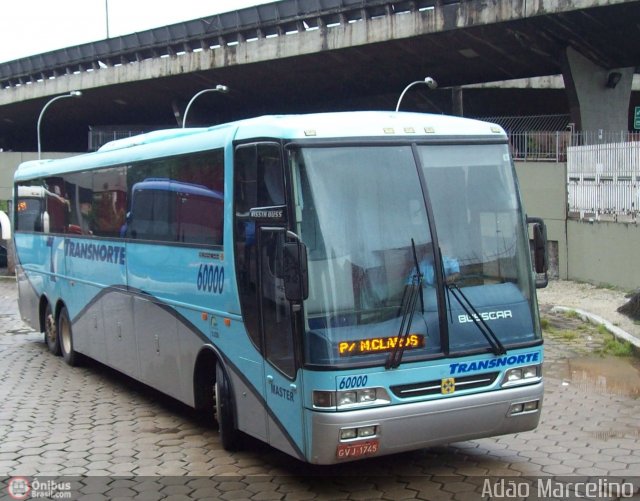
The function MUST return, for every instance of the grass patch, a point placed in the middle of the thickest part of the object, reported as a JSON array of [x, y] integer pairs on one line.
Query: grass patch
[[571, 314], [567, 335], [617, 348], [544, 323]]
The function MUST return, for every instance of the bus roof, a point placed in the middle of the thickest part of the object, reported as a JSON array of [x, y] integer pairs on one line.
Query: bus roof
[[319, 126], [364, 124]]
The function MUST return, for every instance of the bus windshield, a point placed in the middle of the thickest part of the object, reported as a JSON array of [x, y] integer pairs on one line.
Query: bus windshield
[[361, 213]]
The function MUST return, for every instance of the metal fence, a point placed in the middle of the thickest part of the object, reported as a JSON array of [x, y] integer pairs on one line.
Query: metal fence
[[603, 181], [603, 169], [99, 136], [547, 146], [552, 146]]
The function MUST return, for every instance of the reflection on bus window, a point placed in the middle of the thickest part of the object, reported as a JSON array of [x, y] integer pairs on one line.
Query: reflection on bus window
[[42, 209], [172, 211], [29, 214]]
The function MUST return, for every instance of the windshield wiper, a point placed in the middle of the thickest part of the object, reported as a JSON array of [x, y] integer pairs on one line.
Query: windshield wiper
[[407, 308], [496, 345]]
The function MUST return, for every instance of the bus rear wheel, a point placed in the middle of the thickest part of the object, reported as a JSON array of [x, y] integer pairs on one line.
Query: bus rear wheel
[[224, 409], [65, 334], [51, 331]]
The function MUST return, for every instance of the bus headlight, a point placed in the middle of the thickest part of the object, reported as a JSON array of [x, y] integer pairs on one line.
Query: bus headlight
[[367, 395], [352, 399], [522, 375], [347, 398]]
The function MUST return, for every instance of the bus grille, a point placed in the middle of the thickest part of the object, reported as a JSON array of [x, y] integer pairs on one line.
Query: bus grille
[[435, 387]]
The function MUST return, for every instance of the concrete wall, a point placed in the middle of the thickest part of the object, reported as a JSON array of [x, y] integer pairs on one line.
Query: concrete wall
[[543, 187], [9, 162], [601, 252], [604, 253]]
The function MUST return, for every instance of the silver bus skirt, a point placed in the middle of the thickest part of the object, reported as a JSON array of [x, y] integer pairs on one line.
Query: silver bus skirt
[[411, 426]]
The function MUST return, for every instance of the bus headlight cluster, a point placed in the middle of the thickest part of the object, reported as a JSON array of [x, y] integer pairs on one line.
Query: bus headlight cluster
[[356, 397], [522, 375], [350, 399], [360, 432], [524, 407]]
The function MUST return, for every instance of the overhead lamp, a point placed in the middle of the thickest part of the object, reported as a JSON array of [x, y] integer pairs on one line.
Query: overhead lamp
[[218, 88], [428, 81]]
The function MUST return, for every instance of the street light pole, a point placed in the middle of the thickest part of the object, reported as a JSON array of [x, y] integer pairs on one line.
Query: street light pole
[[106, 12], [73, 93], [218, 88], [429, 82]]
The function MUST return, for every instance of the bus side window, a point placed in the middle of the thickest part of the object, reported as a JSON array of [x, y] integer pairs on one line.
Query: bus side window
[[259, 182], [57, 205], [30, 209], [246, 195], [270, 176], [198, 182], [260, 177]]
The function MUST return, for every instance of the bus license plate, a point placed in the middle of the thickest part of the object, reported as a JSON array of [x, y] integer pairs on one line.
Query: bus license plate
[[357, 450]]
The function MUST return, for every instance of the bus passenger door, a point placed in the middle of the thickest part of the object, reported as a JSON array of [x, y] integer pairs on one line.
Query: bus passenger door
[[283, 384]]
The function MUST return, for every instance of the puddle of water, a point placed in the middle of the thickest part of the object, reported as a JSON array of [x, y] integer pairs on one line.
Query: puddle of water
[[612, 375]]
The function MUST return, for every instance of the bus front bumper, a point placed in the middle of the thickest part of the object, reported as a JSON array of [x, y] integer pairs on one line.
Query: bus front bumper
[[411, 426]]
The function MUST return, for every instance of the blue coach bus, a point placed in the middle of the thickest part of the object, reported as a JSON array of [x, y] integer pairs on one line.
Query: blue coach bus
[[339, 285]]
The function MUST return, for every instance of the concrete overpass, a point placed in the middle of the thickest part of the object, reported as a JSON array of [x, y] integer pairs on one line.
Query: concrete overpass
[[313, 55]]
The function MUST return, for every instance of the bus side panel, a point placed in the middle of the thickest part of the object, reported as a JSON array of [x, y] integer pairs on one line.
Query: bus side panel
[[93, 269], [119, 333], [177, 290], [28, 297], [88, 332], [250, 405], [156, 331], [33, 279]]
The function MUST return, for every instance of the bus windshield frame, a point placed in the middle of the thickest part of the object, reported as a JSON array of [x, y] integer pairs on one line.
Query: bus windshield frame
[[379, 216]]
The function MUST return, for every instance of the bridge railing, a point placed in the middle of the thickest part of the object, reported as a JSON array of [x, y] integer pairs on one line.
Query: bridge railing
[[279, 18]]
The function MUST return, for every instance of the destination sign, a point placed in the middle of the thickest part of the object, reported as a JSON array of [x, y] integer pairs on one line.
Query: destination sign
[[379, 345]]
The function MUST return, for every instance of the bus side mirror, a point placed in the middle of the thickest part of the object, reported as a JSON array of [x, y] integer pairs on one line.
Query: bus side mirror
[[296, 277], [540, 257]]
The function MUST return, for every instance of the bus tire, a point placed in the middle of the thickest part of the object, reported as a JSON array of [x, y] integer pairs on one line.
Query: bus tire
[[224, 409], [65, 335], [51, 331]]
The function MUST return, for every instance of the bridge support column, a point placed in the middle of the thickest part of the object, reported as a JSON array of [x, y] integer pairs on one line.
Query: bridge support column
[[598, 97]]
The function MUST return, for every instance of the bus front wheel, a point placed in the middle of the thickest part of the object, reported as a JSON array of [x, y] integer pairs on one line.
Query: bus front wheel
[[229, 434], [65, 336], [51, 331]]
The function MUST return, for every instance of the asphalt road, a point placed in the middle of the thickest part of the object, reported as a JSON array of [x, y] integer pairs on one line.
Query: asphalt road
[[113, 438]]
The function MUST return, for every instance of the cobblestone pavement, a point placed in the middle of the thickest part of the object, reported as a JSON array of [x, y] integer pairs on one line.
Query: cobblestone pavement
[[115, 438]]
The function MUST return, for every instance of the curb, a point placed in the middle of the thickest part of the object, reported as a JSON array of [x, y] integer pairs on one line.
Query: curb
[[597, 319]]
